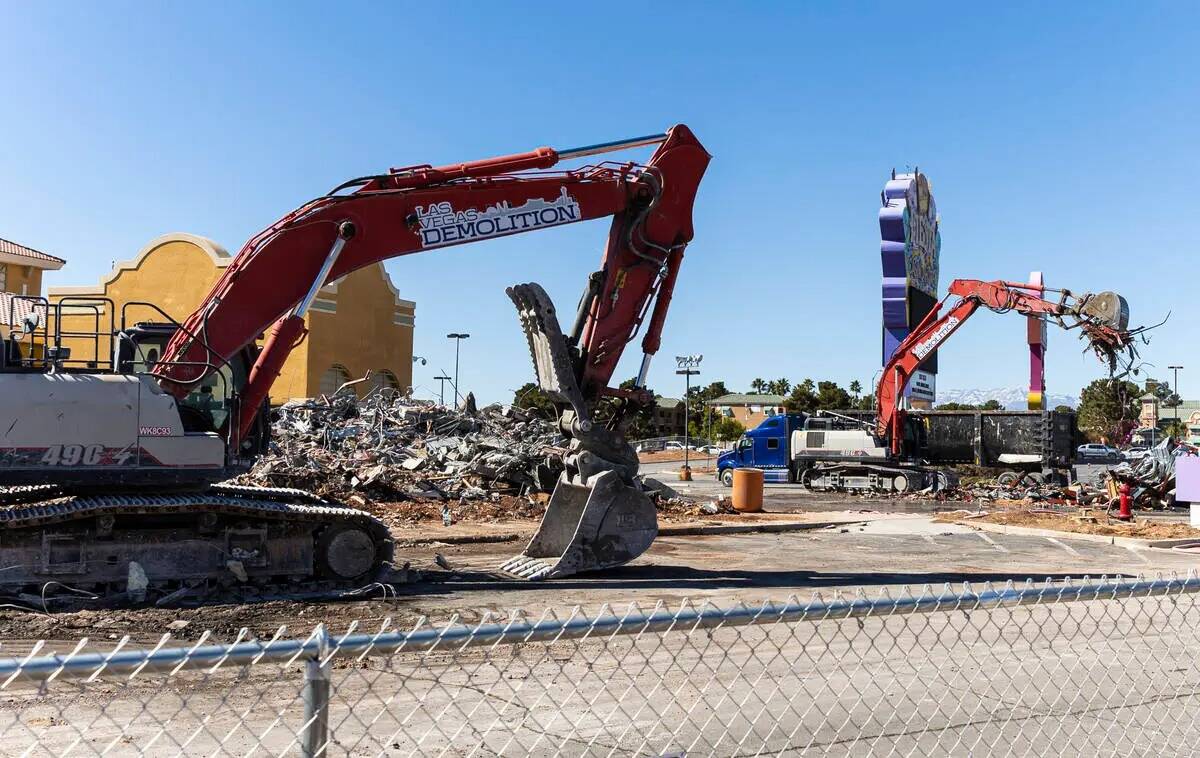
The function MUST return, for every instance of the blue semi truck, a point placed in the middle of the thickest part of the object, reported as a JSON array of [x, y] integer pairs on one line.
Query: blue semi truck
[[840, 451], [766, 447]]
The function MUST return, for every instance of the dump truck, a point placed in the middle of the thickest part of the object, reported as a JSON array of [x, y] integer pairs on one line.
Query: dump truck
[[1036, 445]]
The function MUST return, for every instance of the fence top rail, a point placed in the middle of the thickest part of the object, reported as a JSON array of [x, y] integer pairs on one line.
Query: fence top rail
[[551, 627]]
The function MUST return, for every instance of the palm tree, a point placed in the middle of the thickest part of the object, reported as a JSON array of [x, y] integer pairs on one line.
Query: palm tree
[[779, 387], [855, 389], [759, 386]]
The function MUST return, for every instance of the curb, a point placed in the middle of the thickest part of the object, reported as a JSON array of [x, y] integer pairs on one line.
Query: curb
[[786, 526], [1033, 531], [663, 531], [461, 539]]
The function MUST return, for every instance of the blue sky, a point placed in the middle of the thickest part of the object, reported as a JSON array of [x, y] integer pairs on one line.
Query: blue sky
[[1059, 137]]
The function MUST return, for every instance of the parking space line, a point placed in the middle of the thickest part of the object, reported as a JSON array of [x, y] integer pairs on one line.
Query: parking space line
[[1064, 546], [992, 542], [1138, 553]]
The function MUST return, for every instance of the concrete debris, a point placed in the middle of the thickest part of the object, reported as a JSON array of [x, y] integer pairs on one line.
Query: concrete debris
[[137, 582], [650, 484], [387, 448], [983, 489], [238, 569]]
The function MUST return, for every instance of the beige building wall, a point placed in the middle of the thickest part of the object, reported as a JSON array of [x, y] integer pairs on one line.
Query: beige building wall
[[21, 280], [358, 323]]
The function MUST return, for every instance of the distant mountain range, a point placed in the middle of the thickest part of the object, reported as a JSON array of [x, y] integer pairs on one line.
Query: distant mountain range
[[1013, 398]]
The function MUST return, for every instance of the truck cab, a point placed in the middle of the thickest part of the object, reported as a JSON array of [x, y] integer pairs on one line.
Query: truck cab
[[764, 447]]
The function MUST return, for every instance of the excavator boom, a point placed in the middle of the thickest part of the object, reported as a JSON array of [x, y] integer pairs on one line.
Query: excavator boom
[[418, 208]]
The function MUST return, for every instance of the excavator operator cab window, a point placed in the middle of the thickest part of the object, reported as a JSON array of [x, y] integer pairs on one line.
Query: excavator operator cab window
[[138, 351], [208, 404]]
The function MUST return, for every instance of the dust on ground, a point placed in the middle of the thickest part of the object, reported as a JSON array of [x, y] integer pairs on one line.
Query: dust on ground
[[668, 456], [1071, 521], [523, 513]]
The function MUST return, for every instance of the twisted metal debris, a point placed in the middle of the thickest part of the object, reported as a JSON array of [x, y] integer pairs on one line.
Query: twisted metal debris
[[1153, 476], [386, 447]]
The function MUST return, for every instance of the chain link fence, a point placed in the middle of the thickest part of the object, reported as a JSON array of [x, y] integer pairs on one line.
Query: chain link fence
[[1103, 667]]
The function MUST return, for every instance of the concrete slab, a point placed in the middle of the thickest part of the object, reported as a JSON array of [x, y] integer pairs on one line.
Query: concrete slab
[[909, 525], [1132, 542]]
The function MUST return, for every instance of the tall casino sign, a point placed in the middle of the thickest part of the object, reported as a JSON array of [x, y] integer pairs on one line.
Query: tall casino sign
[[911, 245]]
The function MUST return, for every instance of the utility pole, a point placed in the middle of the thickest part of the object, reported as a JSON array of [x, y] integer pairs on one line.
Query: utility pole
[[688, 366], [1175, 391], [442, 388], [708, 424], [458, 338]]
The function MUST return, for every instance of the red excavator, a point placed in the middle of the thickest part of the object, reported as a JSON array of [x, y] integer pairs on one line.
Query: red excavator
[[841, 454], [111, 463]]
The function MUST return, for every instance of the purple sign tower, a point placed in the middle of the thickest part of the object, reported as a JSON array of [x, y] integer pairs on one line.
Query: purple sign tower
[[911, 246], [1037, 351]]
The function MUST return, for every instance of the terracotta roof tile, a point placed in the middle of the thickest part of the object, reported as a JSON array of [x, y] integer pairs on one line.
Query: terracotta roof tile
[[12, 248], [18, 307]]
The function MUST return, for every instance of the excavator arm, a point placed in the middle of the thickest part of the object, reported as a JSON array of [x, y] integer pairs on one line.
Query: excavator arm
[[1102, 318], [275, 277]]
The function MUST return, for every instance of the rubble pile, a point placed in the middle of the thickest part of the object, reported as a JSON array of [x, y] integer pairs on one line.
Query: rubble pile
[[1026, 491], [1153, 476], [984, 489], [388, 448]]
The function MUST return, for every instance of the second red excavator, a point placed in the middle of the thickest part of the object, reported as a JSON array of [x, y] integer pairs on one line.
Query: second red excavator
[[882, 457]]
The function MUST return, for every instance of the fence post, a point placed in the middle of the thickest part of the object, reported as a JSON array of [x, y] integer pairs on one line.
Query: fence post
[[315, 739]]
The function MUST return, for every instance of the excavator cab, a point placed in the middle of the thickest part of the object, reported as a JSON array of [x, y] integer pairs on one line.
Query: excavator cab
[[212, 402]]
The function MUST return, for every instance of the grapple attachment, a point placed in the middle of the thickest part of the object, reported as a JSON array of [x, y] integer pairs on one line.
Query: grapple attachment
[[598, 516], [1107, 309], [588, 527]]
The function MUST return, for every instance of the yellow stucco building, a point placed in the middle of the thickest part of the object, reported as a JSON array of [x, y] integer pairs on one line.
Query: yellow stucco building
[[357, 324], [21, 271]]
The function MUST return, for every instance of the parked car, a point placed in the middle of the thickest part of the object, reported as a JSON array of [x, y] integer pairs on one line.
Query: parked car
[[673, 445], [712, 450], [1095, 452], [1135, 453], [650, 446]]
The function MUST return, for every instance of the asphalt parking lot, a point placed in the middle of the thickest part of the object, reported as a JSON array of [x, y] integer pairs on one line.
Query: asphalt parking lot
[[883, 551]]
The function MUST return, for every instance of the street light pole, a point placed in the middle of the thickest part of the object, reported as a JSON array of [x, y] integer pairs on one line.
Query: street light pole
[[688, 366], [442, 388], [1175, 391], [458, 338]]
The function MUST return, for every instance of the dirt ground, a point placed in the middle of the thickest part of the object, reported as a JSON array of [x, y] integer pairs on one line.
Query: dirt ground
[[457, 580], [1068, 522], [667, 456], [437, 554]]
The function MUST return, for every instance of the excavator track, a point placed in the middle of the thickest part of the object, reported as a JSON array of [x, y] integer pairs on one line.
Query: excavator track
[[147, 545]]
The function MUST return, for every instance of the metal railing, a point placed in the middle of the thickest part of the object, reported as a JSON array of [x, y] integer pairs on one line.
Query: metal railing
[[1106, 666]]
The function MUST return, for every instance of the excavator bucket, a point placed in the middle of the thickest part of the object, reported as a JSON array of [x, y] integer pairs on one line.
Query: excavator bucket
[[606, 524], [598, 516]]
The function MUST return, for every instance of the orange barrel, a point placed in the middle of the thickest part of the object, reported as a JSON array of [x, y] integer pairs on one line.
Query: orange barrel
[[747, 490]]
